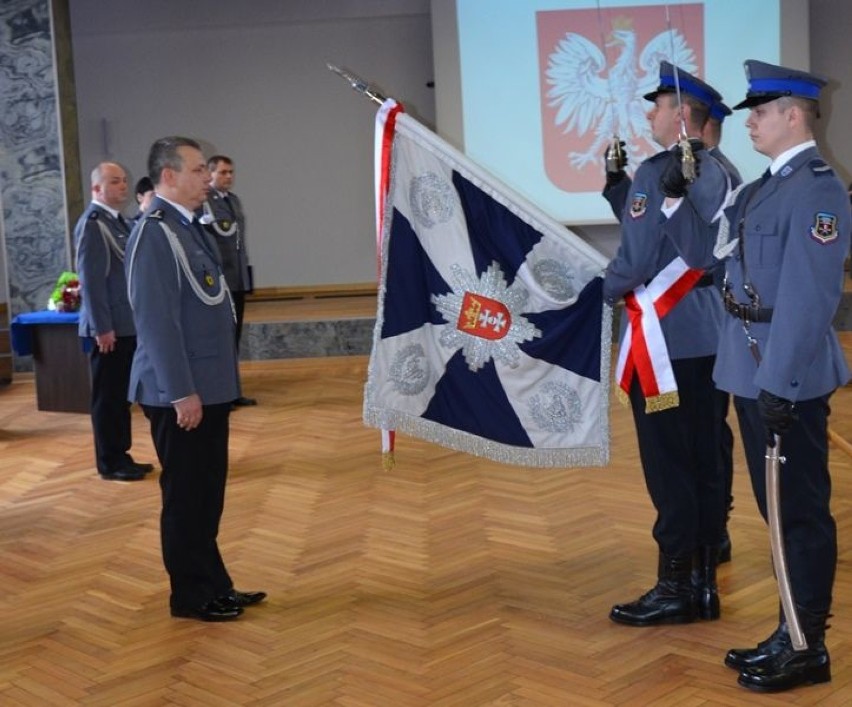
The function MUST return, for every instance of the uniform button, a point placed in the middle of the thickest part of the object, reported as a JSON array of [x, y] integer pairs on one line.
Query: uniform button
[[794, 383], [757, 228]]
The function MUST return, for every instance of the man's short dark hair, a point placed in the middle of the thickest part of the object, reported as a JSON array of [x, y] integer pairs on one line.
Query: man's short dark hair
[[144, 185], [214, 161], [164, 154]]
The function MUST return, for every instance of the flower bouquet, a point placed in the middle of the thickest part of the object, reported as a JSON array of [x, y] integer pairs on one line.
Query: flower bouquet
[[66, 294]]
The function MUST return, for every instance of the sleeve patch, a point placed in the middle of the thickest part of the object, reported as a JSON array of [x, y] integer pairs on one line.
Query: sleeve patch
[[638, 204], [824, 229]]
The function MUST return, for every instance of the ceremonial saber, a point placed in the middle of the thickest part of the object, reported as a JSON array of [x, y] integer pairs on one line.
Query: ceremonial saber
[[614, 157], [359, 84], [687, 160], [776, 542]]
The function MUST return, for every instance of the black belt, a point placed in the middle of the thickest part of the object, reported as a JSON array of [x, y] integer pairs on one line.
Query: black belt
[[748, 312]]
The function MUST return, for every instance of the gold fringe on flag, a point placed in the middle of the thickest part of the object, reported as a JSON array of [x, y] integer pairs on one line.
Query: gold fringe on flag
[[388, 461]]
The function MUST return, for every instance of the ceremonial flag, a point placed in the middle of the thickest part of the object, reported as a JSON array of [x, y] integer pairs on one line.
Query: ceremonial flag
[[492, 336]]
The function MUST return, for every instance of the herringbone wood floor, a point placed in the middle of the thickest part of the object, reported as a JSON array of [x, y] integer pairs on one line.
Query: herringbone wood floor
[[448, 581]]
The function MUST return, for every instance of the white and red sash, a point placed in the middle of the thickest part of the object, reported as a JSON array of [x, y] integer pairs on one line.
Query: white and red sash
[[643, 348]]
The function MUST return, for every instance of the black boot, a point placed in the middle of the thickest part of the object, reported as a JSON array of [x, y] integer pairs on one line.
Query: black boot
[[742, 658], [725, 548], [704, 582], [671, 601], [787, 668]]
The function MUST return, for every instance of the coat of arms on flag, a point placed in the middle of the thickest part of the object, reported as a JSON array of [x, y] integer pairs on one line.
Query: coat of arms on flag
[[492, 336]]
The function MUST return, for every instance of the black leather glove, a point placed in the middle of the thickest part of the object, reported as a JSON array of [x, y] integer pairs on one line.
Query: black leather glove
[[614, 164], [778, 415], [672, 181]]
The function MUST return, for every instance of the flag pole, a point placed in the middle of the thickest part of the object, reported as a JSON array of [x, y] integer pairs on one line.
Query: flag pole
[[385, 126], [358, 84]]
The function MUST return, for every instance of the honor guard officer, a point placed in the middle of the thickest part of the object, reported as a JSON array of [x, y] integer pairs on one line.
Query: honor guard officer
[[223, 216], [105, 317], [616, 190], [677, 447], [184, 376], [785, 237], [712, 138]]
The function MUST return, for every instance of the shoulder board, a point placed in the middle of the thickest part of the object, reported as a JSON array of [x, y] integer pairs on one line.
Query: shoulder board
[[820, 167], [158, 214], [93, 214]]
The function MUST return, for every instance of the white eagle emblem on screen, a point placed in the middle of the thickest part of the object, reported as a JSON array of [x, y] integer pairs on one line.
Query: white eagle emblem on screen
[[603, 92]]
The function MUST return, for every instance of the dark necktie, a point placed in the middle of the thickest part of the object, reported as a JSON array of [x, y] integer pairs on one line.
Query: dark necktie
[[228, 203], [765, 176], [122, 223]]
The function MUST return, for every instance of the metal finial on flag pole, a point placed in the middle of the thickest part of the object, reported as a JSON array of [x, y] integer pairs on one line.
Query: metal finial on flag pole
[[358, 84]]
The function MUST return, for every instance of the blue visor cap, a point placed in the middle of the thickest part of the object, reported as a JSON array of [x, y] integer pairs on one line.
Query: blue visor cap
[[719, 111], [689, 86], [766, 82]]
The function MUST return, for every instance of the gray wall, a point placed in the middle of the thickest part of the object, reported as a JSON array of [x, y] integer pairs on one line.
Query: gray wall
[[831, 55], [249, 79]]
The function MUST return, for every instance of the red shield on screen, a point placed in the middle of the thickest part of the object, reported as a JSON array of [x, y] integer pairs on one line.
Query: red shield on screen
[[594, 68]]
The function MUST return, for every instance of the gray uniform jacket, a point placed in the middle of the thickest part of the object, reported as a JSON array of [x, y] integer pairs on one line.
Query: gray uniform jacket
[[617, 194], [183, 310], [100, 242], [228, 228], [733, 172], [691, 328], [796, 234]]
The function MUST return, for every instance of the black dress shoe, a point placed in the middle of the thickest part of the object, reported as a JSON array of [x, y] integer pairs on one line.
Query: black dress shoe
[[241, 599], [214, 610], [789, 669], [243, 401], [127, 473], [662, 605], [747, 658], [144, 468]]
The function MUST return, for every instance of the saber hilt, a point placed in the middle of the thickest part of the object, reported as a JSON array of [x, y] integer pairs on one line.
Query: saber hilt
[[358, 84], [615, 157], [687, 159]]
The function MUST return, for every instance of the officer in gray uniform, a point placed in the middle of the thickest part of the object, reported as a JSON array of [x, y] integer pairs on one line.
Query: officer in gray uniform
[[223, 216], [616, 191], [712, 138], [106, 322], [785, 238], [677, 447], [184, 376]]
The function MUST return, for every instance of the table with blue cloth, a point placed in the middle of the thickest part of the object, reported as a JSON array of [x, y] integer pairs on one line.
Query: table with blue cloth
[[62, 379]]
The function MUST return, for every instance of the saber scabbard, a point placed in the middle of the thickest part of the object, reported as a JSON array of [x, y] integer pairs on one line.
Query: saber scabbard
[[776, 541]]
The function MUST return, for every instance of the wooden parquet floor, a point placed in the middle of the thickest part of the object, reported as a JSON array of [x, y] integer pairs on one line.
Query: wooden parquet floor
[[447, 581]]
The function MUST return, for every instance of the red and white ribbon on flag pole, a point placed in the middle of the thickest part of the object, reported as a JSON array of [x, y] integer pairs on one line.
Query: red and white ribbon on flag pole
[[643, 350], [385, 126]]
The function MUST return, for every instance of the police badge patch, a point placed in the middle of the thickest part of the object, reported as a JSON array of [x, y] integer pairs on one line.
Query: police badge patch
[[824, 229], [638, 204]]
